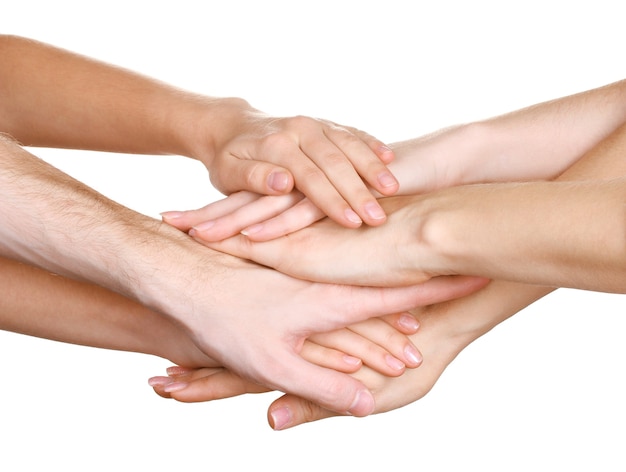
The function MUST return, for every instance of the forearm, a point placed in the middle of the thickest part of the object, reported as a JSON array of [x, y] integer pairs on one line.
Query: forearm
[[42, 304], [56, 98], [55, 222], [558, 234], [569, 232], [534, 143]]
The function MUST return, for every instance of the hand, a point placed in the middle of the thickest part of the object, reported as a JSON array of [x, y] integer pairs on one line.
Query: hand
[[258, 217], [424, 164], [445, 330], [336, 255], [247, 321], [380, 343], [331, 164]]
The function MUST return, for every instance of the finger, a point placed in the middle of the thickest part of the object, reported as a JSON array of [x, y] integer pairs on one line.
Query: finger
[[289, 411], [313, 182], [301, 215], [255, 212], [384, 152], [405, 323], [372, 354], [335, 359], [359, 148], [178, 378], [158, 383], [185, 220], [395, 344], [266, 178], [341, 173], [361, 303], [207, 385], [328, 388]]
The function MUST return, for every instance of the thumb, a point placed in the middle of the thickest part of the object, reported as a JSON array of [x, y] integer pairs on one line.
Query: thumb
[[332, 390], [255, 176], [289, 411]]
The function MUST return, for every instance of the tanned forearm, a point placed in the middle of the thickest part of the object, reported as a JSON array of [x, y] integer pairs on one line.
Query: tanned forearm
[[39, 303], [56, 98]]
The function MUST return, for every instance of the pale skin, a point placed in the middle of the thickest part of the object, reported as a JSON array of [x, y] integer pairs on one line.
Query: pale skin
[[566, 234], [459, 230], [445, 328], [39, 303], [226, 306], [56, 98], [534, 143]]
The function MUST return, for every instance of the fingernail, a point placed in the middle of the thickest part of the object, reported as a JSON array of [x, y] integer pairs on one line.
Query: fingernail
[[351, 360], [278, 181], [252, 229], [159, 381], [175, 387], [352, 216], [413, 355], [409, 323], [387, 180], [374, 210], [387, 153], [280, 417], [363, 404], [204, 226], [171, 215], [394, 363], [177, 370]]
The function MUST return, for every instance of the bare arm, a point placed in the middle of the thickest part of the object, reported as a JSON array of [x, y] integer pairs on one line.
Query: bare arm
[[445, 328], [534, 143], [558, 233], [39, 303], [228, 307], [56, 98]]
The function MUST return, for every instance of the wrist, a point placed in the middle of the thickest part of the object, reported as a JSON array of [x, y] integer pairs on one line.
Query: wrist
[[207, 123]]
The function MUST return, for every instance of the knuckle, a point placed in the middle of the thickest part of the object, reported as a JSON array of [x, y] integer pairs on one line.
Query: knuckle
[[276, 140]]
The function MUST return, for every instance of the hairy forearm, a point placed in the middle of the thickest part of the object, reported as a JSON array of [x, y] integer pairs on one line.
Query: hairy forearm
[[55, 98], [57, 223]]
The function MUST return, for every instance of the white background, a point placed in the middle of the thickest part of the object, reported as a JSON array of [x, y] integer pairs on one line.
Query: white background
[[543, 391]]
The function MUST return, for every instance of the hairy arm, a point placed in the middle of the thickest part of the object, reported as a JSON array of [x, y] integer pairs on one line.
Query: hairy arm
[[227, 306]]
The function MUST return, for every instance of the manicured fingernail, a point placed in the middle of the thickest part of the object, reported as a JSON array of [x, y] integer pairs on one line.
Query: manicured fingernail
[[204, 226], [280, 417], [177, 370], [351, 360], [409, 323], [252, 229], [159, 381], [352, 216], [175, 387], [413, 355], [387, 180], [374, 210], [278, 181], [394, 363], [171, 215], [387, 153], [363, 404]]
